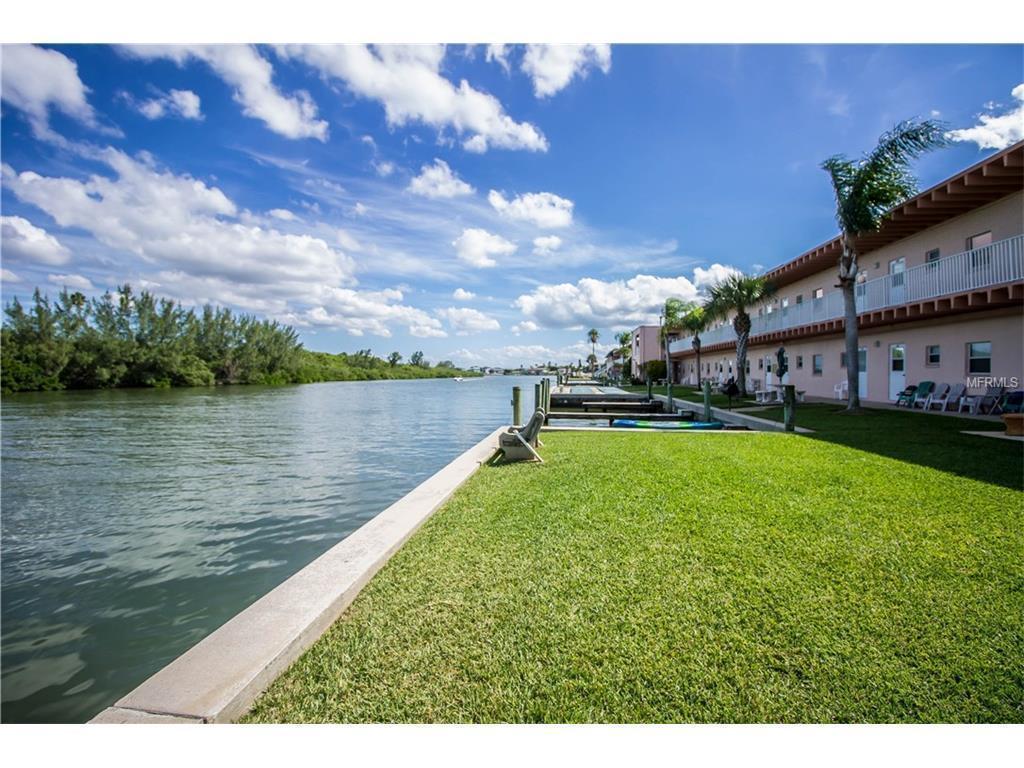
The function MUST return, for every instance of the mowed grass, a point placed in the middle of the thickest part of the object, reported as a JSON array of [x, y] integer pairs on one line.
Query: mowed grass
[[694, 578], [718, 400]]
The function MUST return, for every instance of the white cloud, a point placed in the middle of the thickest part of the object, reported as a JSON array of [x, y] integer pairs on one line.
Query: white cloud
[[283, 214], [527, 326], [464, 320], [543, 246], [996, 131], [498, 52], [361, 312], [9, 277], [438, 180], [384, 168], [514, 355], [347, 241], [359, 209], [716, 273], [477, 246], [23, 241], [251, 75], [543, 209], [36, 80], [461, 294], [552, 67], [602, 303], [71, 281], [406, 80], [184, 104]]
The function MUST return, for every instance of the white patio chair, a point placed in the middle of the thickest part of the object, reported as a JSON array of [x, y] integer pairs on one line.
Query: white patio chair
[[841, 390], [938, 393], [954, 395]]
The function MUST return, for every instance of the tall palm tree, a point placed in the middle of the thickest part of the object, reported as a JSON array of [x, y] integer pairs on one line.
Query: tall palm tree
[[625, 340], [592, 337], [734, 295], [865, 191], [696, 322]]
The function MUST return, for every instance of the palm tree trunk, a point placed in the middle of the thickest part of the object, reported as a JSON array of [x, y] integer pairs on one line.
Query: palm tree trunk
[[848, 284], [696, 347], [741, 362]]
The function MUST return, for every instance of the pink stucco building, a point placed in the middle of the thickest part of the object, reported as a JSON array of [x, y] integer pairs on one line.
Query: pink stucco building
[[647, 346], [941, 298]]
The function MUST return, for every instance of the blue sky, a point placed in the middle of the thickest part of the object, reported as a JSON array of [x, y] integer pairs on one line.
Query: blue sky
[[482, 204]]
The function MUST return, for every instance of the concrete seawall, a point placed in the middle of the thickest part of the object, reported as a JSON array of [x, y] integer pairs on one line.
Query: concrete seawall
[[217, 680]]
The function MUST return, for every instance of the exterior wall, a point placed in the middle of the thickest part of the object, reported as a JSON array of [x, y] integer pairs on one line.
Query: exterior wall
[[1004, 218], [1004, 329], [646, 347]]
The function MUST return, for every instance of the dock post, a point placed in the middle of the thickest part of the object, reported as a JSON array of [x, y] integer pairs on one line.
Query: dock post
[[707, 401], [547, 395], [516, 406], [650, 387], [789, 406], [538, 401]]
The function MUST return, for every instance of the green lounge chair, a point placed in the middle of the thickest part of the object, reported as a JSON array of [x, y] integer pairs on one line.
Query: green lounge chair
[[923, 390], [520, 443], [906, 397]]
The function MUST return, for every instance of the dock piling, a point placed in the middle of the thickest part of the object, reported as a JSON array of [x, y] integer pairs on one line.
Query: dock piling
[[517, 393], [707, 401]]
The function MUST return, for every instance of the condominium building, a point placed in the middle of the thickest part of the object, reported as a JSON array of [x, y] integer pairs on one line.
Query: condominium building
[[647, 346], [940, 297]]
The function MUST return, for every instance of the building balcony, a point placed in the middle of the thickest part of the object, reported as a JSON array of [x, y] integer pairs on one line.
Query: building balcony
[[996, 264]]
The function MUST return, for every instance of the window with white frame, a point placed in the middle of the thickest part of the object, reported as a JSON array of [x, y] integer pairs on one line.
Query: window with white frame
[[979, 357], [932, 355], [817, 364], [819, 293]]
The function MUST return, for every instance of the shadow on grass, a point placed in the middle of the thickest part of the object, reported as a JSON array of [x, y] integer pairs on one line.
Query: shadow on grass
[[929, 440]]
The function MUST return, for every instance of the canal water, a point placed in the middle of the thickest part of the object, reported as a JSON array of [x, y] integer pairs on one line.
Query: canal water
[[135, 522]]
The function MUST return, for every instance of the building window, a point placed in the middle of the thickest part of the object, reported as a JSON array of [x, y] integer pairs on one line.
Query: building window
[[932, 355], [799, 299], [799, 362], [979, 240], [760, 363], [785, 303], [931, 257], [817, 364], [819, 293], [979, 357]]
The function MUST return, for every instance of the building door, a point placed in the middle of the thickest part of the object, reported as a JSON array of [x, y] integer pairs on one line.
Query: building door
[[862, 373], [897, 369], [769, 377], [896, 269]]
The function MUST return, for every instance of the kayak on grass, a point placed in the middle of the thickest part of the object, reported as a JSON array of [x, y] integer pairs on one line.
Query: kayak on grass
[[643, 424]]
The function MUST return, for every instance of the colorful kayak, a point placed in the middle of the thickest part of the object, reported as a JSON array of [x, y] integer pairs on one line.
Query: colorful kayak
[[643, 424]]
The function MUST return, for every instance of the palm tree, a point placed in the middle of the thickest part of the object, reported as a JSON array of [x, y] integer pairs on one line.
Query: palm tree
[[592, 359], [625, 339], [394, 358], [866, 190], [592, 337], [696, 322], [734, 295], [674, 313]]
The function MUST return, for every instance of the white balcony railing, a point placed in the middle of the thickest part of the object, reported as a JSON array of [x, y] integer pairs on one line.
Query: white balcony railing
[[1001, 262]]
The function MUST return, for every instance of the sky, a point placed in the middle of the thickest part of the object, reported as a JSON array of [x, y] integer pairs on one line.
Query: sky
[[483, 204]]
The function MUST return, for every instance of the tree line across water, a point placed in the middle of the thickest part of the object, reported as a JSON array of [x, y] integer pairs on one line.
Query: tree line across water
[[128, 339]]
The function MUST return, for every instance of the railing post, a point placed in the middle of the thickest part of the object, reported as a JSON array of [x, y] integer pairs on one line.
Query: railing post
[[516, 406]]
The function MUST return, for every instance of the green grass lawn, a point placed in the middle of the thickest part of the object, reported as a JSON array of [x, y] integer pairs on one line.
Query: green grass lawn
[[694, 395], [681, 577]]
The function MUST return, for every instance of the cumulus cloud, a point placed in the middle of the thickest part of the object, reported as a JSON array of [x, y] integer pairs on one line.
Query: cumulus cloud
[[498, 53], [461, 294], [71, 281], [603, 303], [384, 168], [283, 214], [37, 80], [543, 209], [716, 273], [438, 180], [251, 75], [542, 246], [23, 241], [552, 67], [515, 355], [361, 312], [7, 276], [464, 320], [184, 104], [996, 131], [527, 326], [476, 247], [407, 81]]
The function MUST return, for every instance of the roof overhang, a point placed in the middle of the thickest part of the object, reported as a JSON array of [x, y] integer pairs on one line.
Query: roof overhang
[[993, 178]]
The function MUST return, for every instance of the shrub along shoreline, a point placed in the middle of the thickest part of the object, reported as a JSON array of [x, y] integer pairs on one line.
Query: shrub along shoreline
[[138, 340]]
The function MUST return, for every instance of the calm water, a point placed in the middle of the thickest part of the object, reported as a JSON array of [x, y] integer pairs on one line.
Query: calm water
[[136, 522]]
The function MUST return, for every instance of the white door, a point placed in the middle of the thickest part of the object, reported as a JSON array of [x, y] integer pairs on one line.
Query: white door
[[862, 373], [896, 269], [769, 377], [897, 369]]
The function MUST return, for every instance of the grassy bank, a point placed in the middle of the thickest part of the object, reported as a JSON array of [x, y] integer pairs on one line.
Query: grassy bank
[[694, 395], [667, 577]]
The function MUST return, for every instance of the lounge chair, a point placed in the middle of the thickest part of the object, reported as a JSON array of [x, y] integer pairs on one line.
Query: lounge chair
[[841, 389], [953, 395], [906, 397], [939, 392], [1011, 402], [520, 443], [976, 403], [924, 389]]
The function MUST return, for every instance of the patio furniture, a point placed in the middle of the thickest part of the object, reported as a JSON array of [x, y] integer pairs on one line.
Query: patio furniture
[[976, 403], [1010, 402], [953, 395], [519, 443], [939, 392], [906, 397], [923, 390], [841, 390]]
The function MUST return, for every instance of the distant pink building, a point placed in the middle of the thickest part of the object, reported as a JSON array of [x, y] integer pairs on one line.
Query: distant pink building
[[647, 346]]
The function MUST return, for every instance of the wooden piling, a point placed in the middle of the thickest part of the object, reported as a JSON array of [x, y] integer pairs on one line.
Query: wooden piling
[[707, 401], [517, 412]]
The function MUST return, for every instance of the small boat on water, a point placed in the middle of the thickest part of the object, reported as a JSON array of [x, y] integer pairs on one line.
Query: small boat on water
[[458, 378]]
